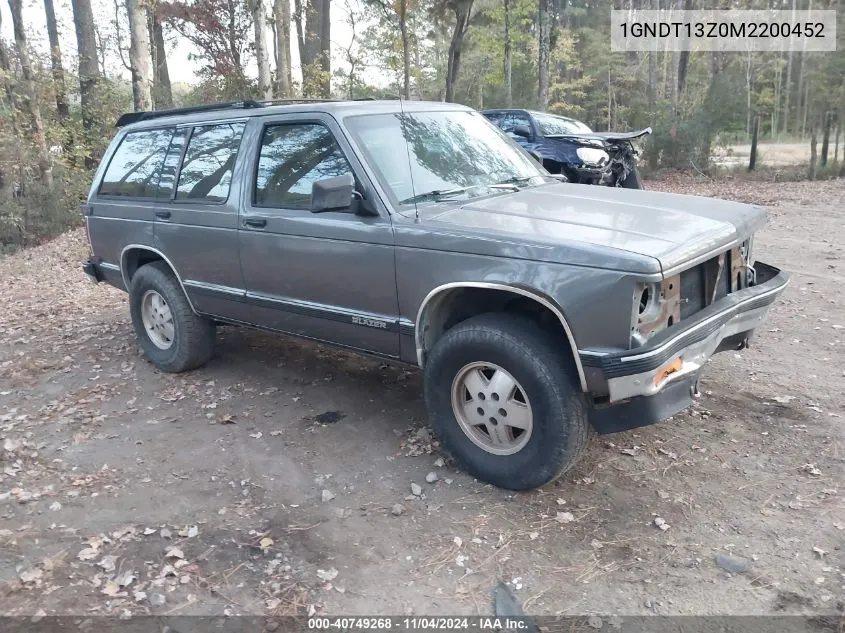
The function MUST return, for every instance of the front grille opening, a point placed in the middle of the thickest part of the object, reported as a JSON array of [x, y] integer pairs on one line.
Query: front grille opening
[[706, 283]]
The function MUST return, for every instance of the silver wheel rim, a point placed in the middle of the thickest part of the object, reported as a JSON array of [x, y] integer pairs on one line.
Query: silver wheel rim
[[157, 319], [492, 408]]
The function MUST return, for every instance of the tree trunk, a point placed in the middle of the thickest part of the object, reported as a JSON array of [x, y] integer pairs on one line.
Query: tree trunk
[[788, 82], [545, 32], [825, 138], [406, 55], [162, 89], [752, 162], [9, 94], [325, 47], [651, 86], [462, 10], [749, 69], [281, 17], [62, 107], [309, 30], [139, 55], [89, 72], [30, 96], [813, 155], [801, 110], [683, 63], [508, 58], [262, 56], [836, 141]]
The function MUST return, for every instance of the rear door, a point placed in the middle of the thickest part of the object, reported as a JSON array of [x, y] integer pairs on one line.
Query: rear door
[[197, 214], [328, 276], [122, 209]]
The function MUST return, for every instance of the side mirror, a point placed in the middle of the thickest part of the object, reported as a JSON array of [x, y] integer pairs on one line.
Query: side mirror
[[522, 130], [333, 194]]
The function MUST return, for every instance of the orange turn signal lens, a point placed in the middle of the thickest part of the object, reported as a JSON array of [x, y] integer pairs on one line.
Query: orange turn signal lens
[[668, 369]]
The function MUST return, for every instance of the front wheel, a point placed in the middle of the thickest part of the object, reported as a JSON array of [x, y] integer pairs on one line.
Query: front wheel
[[633, 180], [503, 396], [171, 335]]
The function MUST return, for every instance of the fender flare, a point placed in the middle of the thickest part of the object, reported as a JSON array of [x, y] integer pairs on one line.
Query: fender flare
[[544, 301]]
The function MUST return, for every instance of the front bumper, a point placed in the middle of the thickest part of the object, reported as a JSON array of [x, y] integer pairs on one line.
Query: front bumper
[[658, 379]]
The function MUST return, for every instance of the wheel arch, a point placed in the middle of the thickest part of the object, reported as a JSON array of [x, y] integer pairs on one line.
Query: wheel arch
[[434, 311], [133, 256]]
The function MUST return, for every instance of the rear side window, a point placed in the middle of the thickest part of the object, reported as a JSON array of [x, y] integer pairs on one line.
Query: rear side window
[[209, 161], [293, 157], [135, 168]]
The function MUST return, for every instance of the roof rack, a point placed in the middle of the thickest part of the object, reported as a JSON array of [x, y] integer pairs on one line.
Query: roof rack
[[134, 117]]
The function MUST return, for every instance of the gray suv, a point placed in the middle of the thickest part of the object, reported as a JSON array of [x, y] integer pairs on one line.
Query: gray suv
[[538, 310]]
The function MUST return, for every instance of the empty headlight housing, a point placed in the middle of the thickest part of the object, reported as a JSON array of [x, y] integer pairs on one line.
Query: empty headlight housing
[[593, 157]]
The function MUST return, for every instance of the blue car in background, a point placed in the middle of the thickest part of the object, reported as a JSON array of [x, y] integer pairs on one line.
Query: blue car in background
[[569, 147]]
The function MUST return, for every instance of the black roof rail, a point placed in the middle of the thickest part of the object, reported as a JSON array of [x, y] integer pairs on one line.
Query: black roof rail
[[270, 102], [134, 117]]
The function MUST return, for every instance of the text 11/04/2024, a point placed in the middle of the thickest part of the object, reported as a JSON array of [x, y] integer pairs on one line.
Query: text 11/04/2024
[[729, 30]]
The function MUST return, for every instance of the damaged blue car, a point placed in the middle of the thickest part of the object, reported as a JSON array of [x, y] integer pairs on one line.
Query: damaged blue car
[[569, 147]]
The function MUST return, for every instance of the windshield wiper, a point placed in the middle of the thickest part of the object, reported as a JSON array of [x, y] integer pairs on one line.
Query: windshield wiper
[[436, 195], [514, 182]]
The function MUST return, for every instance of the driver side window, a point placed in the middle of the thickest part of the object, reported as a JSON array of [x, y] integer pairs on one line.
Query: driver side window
[[294, 156], [515, 120]]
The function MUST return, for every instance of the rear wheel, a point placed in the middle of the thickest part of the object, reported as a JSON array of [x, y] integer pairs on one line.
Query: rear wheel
[[171, 335], [504, 398]]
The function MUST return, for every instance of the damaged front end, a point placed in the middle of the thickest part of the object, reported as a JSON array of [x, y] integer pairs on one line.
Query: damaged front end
[[660, 305]]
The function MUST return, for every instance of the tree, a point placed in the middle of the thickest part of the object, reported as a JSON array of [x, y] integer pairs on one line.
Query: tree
[[162, 89], [281, 31], [89, 71], [259, 21], [508, 58], [219, 29], [462, 10], [139, 55], [544, 17], [313, 30], [30, 96], [395, 13], [62, 107]]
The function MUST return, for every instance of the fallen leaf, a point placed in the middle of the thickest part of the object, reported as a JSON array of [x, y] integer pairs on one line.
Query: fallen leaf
[[111, 588], [564, 517], [89, 553], [265, 543], [107, 563], [173, 552], [327, 575], [31, 575]]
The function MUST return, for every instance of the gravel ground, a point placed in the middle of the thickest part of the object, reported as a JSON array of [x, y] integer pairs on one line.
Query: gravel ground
[[278, 478]]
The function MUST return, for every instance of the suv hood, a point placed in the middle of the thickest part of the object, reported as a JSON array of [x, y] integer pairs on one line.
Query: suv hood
[[665, 230]]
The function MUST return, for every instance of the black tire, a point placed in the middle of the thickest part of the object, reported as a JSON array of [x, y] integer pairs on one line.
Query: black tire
[[193, 342], [539, 363], [633, 180]]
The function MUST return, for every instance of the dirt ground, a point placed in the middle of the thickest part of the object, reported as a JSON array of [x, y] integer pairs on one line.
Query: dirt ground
[[771, 154], [265, 483]]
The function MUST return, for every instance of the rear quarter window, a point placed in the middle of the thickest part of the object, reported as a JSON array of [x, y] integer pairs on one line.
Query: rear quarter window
[[135, 168]]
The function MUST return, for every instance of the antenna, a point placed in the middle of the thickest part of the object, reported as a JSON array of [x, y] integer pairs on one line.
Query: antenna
[[408, 152]]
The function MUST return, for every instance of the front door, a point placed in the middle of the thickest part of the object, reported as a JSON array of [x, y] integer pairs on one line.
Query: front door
[[327, 276]]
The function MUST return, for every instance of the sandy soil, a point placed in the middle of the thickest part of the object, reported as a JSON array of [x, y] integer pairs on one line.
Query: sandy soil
[[265, 483]]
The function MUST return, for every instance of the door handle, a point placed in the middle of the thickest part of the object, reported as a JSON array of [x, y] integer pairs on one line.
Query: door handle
[[256, 222], [163, 215]]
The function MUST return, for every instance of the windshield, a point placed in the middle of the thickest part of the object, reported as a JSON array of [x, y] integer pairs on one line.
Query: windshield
[[555, 125], [432, 156]]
